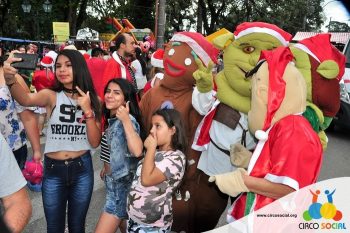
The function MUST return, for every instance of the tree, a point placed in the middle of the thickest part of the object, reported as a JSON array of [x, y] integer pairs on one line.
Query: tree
[[292, 16], [178, 12], [142, 13], [335, 26], [211, 11]]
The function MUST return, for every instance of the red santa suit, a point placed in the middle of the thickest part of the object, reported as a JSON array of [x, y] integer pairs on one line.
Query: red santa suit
[[43, 79], [280, 160], [97, 67], [289, 151], [117, 68]]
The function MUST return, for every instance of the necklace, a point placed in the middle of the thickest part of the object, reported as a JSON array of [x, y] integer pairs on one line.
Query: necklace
[[72, 107], [70, 91]]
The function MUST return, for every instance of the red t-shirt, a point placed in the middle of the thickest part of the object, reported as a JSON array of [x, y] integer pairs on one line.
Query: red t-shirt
[[41, 81], [97, 67]]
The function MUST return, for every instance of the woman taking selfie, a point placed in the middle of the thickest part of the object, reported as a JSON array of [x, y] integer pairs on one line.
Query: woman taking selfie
[[73, 130]]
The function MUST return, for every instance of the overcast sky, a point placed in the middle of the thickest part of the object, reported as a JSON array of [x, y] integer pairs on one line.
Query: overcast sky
[[335, 10]]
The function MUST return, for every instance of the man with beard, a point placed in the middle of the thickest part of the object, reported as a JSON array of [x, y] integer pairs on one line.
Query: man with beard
[[119, 65]]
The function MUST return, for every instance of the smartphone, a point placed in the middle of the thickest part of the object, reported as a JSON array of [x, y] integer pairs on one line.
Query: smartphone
[[28, 62]]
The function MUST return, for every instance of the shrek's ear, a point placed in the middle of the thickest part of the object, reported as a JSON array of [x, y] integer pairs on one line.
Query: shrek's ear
[[328, 69], [224, 40]]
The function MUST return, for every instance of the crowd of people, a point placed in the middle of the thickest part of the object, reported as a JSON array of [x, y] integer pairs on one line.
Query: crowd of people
[[166, 130]]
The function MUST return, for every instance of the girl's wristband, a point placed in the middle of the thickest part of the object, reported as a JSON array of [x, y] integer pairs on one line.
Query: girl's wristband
[[88, 115]]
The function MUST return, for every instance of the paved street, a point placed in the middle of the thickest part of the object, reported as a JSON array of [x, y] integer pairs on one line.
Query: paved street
[[336, 163]]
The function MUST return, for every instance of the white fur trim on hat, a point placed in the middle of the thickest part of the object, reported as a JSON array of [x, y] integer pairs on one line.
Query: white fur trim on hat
[[262, 30], [306, 50], [52, 54], [204, 56], [156, 62], [261, 135]]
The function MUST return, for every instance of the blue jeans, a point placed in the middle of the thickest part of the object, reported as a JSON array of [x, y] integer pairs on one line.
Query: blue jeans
[[65, 181]]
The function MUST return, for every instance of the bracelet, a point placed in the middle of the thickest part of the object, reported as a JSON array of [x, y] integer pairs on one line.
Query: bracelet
[[86, 116], [89, 115]]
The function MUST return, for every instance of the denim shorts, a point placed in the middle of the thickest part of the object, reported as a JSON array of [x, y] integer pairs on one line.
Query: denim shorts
[[133, 226], [116, 195]]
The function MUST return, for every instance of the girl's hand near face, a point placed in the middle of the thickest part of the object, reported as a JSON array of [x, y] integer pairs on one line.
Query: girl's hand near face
[[123, 112], [151, 142], [83, 100]]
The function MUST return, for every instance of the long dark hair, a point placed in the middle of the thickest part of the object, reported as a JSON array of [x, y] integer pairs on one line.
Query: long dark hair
[[81, 78], [129, 95], [173, 118], [141, 59]]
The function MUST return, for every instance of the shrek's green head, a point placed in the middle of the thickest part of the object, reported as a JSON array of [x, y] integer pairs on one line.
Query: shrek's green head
[[243, 52], [322, 66]]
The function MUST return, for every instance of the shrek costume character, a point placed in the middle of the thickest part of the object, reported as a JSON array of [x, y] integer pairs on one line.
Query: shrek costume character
[[289, 153], [177, 87], [322, 66], [225, 109]]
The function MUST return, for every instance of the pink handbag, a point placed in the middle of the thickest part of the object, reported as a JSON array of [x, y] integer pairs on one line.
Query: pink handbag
[[33, 172]]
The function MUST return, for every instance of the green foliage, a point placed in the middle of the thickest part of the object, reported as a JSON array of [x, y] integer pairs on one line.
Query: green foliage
[[179, 11], [292, 16], [335, 26]]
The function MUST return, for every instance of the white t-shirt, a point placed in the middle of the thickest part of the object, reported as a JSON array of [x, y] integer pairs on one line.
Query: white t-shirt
[[11, 178], [141, 79]]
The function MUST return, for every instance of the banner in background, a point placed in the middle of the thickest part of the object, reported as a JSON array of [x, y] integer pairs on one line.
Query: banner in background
[[60, 31]]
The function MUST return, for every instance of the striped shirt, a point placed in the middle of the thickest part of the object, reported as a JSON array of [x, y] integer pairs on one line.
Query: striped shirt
[[104, 155]]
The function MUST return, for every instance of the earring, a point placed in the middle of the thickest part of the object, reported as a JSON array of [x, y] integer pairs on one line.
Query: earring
[[178, 195], [187, 196]]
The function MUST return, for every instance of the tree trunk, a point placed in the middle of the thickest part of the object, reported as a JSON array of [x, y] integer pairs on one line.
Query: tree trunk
[[199, 19], [161, 24]]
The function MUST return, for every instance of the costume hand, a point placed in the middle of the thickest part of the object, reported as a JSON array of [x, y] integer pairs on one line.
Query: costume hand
[[83, 100], [151, 141], [203, 76], [123, 112], [231, 183], [240, 156]]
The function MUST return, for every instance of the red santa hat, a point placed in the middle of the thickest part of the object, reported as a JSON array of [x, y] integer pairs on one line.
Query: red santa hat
[[277, 61], [49, 59], [320, 48], [157, 58], [202, 47], [86, 56], [261, 27]]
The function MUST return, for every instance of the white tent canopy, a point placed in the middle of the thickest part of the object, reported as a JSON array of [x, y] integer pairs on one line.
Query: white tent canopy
[[87, 34]]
